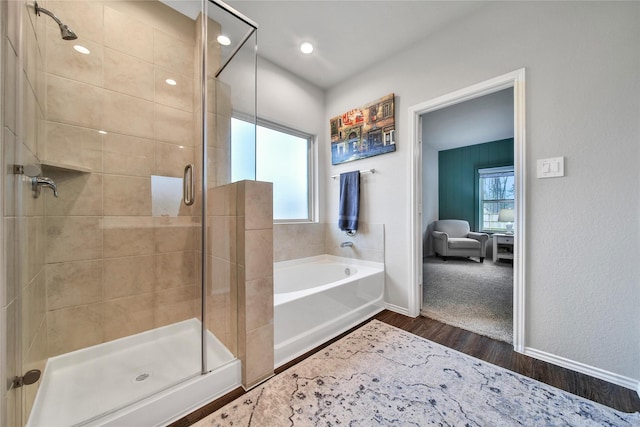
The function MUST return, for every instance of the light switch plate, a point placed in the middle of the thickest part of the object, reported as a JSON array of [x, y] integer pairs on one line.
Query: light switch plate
[[550, 168]]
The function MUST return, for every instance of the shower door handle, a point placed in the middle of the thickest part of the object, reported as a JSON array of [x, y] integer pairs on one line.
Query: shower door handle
[[187, 185]]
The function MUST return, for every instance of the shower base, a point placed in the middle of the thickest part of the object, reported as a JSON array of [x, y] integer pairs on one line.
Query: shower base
[[156, 374]]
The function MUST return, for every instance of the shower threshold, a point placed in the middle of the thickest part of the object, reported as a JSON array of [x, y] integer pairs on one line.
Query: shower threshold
[[151, 379]]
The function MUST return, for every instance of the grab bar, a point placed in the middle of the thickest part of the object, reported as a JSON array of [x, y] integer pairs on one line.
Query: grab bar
[[187, 185]]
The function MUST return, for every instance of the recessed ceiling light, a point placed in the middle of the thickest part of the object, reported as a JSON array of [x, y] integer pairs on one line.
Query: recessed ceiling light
[[171, 82], [306, 48], [224, 40], [83, 50], [102, 132]]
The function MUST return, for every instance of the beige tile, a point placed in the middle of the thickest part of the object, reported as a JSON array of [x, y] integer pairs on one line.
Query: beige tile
[[211, 95], [174, 305], [171, 159], [65, 106], [34, 306], [10, 75], [27, 204], [258, 199], [73, 283], [34, 358], [221, 133], [174, 234], [72, 145], [73, 238], [13, 11], [222, 277], [222, 166], [127, 74], [31, 53], [173, 53], [128, 236], [128, 35], [259, 357], [128, 155], [128, 276], [222, 200], [258, 254], [74, 328], [34, 236], [31, 115], [128, 316], [11, 181], [174, 125], [222, 237], [85, 18], [127, 115], [224, 107], [78, 194], [10, 313], [174, 270], [259, 302], [11, 252], [126, 195], [178, 96], [64, 61]]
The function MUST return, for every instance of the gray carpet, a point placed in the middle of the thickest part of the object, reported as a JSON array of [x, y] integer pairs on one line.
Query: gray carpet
[[465, 293], [382, 376]]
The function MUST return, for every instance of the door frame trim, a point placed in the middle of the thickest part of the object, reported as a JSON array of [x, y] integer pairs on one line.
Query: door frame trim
[[516, 80]]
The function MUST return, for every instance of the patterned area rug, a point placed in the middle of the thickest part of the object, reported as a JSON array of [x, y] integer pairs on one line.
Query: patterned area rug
[[382, 376]]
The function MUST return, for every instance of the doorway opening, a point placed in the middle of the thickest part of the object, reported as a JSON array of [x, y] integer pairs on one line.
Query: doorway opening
[[514, 81]]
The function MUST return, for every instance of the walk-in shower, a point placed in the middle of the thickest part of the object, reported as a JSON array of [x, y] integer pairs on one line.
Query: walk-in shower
[[124, 294]]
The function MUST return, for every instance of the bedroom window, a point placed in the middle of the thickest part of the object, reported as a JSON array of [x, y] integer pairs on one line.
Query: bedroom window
[[497, 191], [280, 155]]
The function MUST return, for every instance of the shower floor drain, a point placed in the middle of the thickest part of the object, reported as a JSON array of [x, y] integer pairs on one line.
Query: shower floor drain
[[142, 377]]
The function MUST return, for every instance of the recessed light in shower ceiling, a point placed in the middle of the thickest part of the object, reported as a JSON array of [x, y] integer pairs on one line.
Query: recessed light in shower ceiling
[[306, 48], [171, 82], [81, 49], [224, 40]]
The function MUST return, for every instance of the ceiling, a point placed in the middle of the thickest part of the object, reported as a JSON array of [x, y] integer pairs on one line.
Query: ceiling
[[349, 36]]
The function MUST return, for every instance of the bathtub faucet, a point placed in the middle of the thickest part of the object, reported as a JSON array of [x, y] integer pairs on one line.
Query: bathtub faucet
[[346, 244]]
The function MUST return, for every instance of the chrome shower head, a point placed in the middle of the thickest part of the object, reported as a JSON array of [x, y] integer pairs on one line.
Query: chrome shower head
[[66, 32]]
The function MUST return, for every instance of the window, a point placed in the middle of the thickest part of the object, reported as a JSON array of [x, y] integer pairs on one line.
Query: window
[[279, 155], [497, 189]]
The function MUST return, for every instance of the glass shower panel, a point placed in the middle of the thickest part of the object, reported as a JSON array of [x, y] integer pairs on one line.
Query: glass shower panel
[[123, 300], [231, 51]]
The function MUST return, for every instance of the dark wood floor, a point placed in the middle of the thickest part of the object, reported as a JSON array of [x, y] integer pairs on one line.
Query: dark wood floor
[[487, 349]]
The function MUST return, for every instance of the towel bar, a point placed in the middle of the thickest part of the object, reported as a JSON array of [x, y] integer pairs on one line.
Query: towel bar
[[361, 172]]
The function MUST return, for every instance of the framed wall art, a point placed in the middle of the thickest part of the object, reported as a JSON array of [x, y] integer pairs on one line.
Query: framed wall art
[[364, 132]]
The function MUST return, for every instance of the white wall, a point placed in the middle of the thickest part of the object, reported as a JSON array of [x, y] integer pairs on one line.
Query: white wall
[[479, 120], [582, 102], [285, 99]]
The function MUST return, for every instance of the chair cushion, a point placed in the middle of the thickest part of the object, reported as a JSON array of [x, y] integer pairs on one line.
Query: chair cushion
[[453, 227], [463, 243]]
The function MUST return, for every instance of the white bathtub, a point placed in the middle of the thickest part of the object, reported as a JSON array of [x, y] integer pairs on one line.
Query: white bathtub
[[318, 298]]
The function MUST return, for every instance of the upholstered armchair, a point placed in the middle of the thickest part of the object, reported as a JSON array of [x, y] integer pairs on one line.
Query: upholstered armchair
[[453, 237]]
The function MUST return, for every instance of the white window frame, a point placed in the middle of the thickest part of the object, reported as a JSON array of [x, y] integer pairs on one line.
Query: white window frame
[[311, 164], [487, 171]]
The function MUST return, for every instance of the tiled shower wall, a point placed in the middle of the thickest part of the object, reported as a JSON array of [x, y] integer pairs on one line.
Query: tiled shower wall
[[24, 222], [115, 266]]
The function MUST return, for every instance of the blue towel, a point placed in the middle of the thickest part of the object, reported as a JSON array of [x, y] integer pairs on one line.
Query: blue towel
[[349, 201]]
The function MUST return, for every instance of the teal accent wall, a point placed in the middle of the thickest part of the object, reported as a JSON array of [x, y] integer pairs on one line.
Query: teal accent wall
[[457, 177]]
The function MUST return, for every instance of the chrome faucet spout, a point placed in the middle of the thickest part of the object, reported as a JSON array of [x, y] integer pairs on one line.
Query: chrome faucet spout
[[346, 244], [41, 181]]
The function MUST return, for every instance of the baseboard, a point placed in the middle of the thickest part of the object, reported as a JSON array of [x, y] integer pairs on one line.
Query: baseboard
[[397, 309], [611, 377]]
